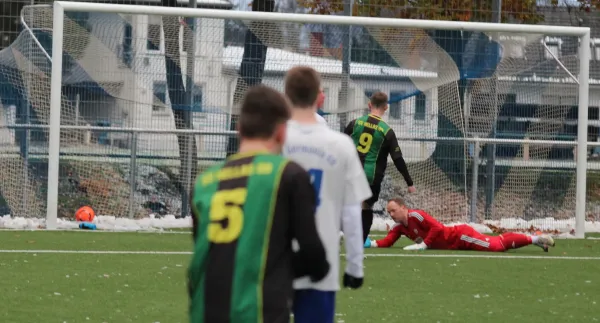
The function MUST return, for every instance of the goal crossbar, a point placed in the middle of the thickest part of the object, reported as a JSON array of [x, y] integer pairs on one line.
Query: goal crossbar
[[60, 7], [321, 19]]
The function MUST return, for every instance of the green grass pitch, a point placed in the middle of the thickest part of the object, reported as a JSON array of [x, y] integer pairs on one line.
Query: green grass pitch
[[40, 284]]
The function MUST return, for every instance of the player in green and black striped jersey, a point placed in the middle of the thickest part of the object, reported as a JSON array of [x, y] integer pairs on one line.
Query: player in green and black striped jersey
[[374, 140], [246, 211]]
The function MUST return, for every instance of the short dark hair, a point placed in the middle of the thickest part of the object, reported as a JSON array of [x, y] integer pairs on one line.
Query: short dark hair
[[263, 109], [398, 200], [302, 86], [379, 99]]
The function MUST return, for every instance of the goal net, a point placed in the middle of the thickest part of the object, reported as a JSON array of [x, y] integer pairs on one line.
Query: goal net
[[129, 104]]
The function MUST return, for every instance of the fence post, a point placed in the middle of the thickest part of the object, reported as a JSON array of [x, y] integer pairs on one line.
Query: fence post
[[132, 173], [526, 150], [474, 182]]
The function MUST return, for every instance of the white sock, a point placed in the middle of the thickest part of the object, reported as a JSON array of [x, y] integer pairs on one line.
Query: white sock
[[534, 239]]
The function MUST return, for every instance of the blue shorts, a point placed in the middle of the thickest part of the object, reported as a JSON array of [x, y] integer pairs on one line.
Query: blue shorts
[[314, 306]]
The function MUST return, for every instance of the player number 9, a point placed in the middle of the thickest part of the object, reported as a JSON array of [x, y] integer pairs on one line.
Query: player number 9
[[226, 205], [364, 143]]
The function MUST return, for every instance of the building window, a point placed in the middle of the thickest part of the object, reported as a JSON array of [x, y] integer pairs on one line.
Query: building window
[[396, 104], [127, 54], [420, 106], [159, 100], [197, 101], [554, 47], [154, 33]]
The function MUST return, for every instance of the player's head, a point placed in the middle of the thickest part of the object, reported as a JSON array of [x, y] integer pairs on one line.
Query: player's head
[[302, 87], [320, 98], [263, 117], [378, 102], [397, 209]]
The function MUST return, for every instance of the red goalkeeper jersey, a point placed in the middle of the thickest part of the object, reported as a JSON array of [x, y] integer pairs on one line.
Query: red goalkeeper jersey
[[422, 227]]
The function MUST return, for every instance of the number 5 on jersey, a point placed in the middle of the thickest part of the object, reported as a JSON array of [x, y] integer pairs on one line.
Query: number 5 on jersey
[[364, 142], [226, 215], [316, 177]]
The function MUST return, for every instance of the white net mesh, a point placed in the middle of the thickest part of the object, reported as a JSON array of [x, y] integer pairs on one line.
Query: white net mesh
[[130, 71]]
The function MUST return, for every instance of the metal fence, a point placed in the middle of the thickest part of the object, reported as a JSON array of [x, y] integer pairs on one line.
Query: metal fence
[[134, 182]]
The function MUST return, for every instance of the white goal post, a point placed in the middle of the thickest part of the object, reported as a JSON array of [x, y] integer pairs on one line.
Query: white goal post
[[58, 34]]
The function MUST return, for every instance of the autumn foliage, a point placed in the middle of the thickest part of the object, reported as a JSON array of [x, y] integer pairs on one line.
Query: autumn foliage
[[457, 10], [586, 5], [516, 11]]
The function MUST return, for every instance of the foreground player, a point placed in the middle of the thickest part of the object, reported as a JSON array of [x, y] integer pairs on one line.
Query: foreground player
[[374, 140], [428, 233], [340, 184], [246, 212]]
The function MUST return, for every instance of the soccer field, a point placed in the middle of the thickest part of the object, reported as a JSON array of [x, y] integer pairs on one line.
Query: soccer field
[[140, 277]]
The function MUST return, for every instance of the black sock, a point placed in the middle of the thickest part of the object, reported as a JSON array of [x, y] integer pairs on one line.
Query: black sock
[[367, 221]]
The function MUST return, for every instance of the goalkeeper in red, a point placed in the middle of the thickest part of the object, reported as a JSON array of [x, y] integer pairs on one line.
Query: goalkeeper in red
[[428, 233]]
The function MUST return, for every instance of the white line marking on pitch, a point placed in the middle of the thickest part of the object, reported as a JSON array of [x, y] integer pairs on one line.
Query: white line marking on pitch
[[368, 255], [167, 231], [423, 255], [101, 252]]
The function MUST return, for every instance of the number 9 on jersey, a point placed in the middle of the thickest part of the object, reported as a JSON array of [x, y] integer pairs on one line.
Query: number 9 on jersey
[[364, 142], [316, 177]]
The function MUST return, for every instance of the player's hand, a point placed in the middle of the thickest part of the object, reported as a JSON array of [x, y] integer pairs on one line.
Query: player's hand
[[352, 282], [416, 246], [412, 189], [368, 243]]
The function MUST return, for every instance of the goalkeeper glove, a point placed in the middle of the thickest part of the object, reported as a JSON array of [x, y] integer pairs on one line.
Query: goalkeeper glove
[[352, 282], [417, 246]]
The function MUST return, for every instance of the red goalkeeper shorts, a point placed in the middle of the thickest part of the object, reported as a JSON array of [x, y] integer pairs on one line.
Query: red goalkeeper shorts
[[468, 238]]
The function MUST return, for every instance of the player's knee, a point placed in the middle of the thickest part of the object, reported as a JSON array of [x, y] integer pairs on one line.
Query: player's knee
[[497, 246]]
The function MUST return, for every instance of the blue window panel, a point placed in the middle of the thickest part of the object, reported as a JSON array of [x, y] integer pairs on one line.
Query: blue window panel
[[420, 106], [197, 103], [396, 105]]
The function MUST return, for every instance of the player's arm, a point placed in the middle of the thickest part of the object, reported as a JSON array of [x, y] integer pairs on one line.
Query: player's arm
[[349, 128], [397, 158], [386, 242], [427, 223], [356, 190], [195, 215], [310, 260]]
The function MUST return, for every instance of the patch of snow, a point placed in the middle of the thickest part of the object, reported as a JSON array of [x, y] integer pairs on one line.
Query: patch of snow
[[158, 224], [103, 222]]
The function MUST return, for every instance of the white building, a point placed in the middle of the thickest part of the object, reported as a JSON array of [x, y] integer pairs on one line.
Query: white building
[[125, 55], [139, 83]]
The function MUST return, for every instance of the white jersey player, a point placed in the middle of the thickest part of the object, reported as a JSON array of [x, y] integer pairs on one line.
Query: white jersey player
[[320, 119], [341, 186]]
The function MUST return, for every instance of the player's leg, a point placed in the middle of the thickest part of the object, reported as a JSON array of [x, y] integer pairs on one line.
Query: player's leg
[[314, 306], [367, 210], [512, 240], [470, 239]]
